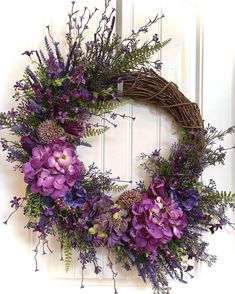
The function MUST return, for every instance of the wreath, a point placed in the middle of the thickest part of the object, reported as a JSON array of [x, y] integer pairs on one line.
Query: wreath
[[155, 228]]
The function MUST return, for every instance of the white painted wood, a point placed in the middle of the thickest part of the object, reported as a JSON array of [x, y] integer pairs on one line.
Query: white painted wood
[[22, 28]]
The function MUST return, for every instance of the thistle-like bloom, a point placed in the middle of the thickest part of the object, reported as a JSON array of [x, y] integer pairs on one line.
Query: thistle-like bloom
[[49, 131], [53, 169], [127, 198], [155, 222]]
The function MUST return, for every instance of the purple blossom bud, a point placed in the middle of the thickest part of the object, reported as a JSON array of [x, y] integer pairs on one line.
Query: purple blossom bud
[[174, 183], [74, 128], [12, 113], [86, 94], [28, 53], [157, 186], [28, 143]]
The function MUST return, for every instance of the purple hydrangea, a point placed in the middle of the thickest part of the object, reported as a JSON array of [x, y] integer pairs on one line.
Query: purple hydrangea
[[53, 169], [111, 226], [107, 223], [189, 199], [76, 197], [155, 222]]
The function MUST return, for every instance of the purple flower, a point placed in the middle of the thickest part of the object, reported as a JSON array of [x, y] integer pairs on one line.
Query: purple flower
[[37, 89], [54, 68], [156, 38], [15, 202], [156, 153], [174, 183], [48, 212], [77, 197], [113, 115], [78, 76], [110, 223], [86, 94], [157, 187], [62, 116], [189, 199], [213, 228], [53, 169], [74, 128], [155, 222], [28, 53], [12, 113], [63, 102], [28, 143]]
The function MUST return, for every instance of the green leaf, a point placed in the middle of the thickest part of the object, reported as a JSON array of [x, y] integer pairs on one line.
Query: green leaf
[[114, 187], [95, 132], [225, 197], [67, 251], [127, 62], [104, 107], [34, 205]]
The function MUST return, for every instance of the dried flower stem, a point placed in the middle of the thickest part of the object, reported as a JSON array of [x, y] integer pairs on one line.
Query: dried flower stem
[[114, 274]]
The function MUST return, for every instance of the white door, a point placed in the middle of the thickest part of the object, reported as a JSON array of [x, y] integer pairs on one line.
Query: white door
[[199, 59]]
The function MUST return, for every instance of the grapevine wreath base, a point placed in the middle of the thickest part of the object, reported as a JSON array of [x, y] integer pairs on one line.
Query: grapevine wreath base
[[154, 228]]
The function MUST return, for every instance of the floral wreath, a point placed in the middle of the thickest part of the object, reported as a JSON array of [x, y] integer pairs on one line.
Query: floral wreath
[[157, 228]]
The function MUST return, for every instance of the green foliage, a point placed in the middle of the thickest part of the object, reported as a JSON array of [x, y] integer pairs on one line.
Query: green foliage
[[67, 248], [103, 107], [122, 257], [95, 132], [104, 92], [212, 197], [127, 62], [34, 205], [114, 187], [156, 165], [224, 197], [177, 250]]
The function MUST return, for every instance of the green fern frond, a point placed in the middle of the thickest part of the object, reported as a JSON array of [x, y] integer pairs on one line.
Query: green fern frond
[[104, 107], [67, 252], [114, 187], [128, 62], [33, 207], [225, 197], [95, 132]]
